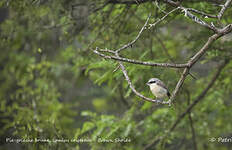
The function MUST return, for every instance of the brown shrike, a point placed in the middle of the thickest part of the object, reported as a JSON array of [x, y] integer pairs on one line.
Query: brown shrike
[[158, 88]]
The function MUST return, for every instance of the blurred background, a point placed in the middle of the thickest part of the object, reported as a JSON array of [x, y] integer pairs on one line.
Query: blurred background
[[52, 85]]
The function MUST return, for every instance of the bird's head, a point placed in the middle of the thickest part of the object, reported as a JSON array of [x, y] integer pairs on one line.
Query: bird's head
[[152, 81]]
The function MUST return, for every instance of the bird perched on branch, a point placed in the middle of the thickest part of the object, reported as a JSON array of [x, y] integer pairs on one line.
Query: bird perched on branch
[[158, 88]]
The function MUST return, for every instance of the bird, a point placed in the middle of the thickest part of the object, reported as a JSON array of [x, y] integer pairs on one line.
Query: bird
[[158, 88]]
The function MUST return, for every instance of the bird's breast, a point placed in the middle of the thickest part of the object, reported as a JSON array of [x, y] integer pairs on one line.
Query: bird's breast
[[158, 91]]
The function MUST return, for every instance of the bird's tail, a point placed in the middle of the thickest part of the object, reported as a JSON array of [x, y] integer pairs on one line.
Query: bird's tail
[[169, 95]]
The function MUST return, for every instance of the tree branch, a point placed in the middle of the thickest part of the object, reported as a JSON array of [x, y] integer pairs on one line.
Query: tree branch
[[169, 56], [201, 13], [118, 58], [159, 20], [191, 123], [128, 2], [136, 38], [224, 7], [197, 56], [201, 96], [193, 131], [187, 66], [197, 20], [134, 90], [190, 107], [191, 16]]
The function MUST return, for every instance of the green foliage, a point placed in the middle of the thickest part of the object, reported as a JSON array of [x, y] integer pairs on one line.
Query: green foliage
[[52, 86]]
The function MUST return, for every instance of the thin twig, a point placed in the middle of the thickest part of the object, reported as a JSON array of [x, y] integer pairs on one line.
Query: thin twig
[[164, 48], [198, 20], [191, 16], [224, 7], [157, 5], [193, 131], [136, 38], [118, 58], [191, 122], [169, 56], [106, 50], [179, 84], [201, 13], [159, 20]]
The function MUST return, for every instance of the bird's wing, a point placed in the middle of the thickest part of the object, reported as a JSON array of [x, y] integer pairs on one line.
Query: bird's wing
[[164, 86], [160, 83]]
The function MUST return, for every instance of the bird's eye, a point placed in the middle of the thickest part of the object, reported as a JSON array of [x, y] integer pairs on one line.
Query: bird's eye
[[152, 82]]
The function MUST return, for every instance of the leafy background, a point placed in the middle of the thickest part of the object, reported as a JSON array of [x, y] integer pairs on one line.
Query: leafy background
[[52, 85]]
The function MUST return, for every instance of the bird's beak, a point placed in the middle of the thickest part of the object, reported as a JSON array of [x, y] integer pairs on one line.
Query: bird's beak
[[147, 83]]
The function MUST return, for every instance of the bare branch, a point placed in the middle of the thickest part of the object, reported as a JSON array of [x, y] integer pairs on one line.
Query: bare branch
[[168, 55], [211, 39], [224, 7], [197, 20], [136, 38], [191, 122], [193, 17], [193, 131], [106, 50], [118, 58], [201, 13], [159, 20], [179, 84]]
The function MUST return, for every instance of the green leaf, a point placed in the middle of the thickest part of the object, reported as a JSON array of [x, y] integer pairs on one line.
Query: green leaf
[[106, 76], [146, 106], [100, 64], [88, 113], [160, 112], [129, 91], [128, 129], [87, 126], [77, 133]]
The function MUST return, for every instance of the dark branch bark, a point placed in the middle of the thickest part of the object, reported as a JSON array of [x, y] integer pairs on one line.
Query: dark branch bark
[[191, 122]]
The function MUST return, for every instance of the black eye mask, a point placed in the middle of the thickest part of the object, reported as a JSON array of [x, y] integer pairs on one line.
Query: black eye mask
[[152, 82]]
